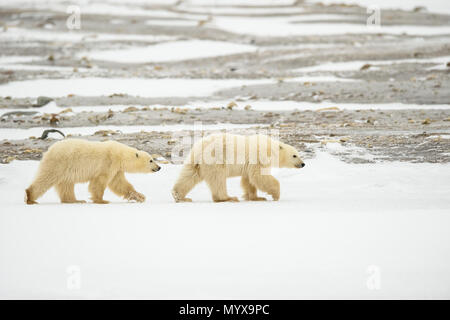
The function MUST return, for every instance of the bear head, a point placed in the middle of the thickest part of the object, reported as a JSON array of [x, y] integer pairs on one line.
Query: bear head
[[139, 161], [289, 157]]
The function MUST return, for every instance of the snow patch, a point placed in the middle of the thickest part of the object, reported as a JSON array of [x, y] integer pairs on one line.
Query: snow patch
[[20, 34], [270, 105], [437, 6], [170, 51], [167, 87], [356, 65], [282, 27]]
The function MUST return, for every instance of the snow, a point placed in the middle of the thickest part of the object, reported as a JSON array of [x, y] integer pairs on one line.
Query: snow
[[15, 133], [283, 27], [356, 65], [172, 23], [21, 34], [258, 105], [92, 86], [256, 3], [226, 10], [18, 59], [436, 6], [170, 51], [289, 105], [29, 67], [107, 86], [16, 63], [117, 9], [335, 224]]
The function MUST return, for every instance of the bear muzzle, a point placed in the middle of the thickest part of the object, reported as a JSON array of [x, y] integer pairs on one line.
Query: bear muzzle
[[300, 165], [157, 169]]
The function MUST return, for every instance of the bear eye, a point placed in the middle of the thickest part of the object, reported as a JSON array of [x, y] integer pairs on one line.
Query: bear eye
[[151, 160], [295, 156], [137, 156]]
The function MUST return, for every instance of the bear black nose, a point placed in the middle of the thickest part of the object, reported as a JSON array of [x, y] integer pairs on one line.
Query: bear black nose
[[303, 165], [159, 168]]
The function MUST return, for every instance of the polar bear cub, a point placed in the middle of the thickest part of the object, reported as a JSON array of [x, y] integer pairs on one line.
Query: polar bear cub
[[102, 164], [216, 157]]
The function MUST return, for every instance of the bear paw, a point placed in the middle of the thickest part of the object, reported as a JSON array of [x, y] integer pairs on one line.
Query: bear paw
[[176, 196], [258, 199], [101, 201], [73, 201], [135, 196]]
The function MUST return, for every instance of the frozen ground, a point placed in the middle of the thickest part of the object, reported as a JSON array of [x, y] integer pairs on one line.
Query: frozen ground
[[336, 228]]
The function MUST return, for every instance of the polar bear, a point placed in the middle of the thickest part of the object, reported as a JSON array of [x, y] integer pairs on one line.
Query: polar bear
[[219, 156], [102, 164]]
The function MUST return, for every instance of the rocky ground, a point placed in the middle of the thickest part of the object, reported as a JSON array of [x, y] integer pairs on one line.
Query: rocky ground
[[407, 68]]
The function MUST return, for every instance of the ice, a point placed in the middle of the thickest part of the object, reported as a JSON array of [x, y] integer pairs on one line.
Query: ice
[[170, 51], [329, 230]]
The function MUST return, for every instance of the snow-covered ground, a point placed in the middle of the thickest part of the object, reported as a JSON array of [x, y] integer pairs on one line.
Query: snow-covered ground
[[436, 6], [378, 230], [257, 105], [339, 231], [20, 34], [170, 51], [269, 105], [142, 87], [279, 27], [356, 65]]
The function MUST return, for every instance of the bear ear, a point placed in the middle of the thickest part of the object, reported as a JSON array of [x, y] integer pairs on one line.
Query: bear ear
[[137, 156]]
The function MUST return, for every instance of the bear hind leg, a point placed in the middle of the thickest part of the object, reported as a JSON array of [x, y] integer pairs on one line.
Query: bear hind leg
[[40, 185], [266, 183], [250, 191], [66, 192], [187, 180], [217, 183], [97, 188]]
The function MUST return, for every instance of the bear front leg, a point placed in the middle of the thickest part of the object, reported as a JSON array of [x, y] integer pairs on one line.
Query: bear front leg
[[266, 183], [217, 183], [66, 192], [120, 186], [250, 191], [97, 188]]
